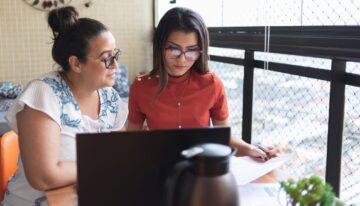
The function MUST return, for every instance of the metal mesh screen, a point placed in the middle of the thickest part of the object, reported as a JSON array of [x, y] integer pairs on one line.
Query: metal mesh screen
[[318, 63], [271, 12], [353, 67], [232, 77], [292, 112], [334, 12], [350, 171], [289, 109]]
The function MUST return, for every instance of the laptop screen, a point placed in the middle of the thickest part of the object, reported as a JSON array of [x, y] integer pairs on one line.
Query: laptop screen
[[130, 168]]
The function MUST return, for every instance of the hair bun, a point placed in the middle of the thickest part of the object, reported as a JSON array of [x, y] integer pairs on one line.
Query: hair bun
[[61, 19]]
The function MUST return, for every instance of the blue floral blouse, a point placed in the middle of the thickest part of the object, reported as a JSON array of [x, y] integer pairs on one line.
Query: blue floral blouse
[[51, 95]]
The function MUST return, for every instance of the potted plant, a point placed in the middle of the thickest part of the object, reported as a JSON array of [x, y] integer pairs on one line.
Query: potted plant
[[311, 191]]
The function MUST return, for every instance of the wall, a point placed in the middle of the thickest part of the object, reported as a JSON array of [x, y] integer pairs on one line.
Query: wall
[[25, 39]]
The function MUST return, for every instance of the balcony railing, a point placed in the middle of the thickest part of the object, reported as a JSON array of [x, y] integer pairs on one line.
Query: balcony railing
[[337, 44]]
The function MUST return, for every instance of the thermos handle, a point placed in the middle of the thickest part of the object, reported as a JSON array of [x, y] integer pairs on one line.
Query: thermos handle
[[233, 151], [172, 180]]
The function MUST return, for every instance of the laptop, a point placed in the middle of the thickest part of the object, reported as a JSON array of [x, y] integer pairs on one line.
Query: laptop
[[130, 168]]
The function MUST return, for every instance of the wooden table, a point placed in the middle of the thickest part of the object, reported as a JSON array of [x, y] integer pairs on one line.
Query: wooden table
[[268, 178], [67, 196]]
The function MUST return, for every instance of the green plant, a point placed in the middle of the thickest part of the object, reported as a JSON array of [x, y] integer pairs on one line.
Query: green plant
[[311, 191]]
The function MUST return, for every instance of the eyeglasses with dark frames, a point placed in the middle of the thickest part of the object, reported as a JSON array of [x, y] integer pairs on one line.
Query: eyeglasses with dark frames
[[190, 55], [108, 61]]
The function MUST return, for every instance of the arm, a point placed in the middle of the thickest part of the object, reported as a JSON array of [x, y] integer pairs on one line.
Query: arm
[[39, 139], [134, 127], [123, 129], [243, 148]]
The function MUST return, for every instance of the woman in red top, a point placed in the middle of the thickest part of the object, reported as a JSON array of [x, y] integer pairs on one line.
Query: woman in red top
[[180, 91]]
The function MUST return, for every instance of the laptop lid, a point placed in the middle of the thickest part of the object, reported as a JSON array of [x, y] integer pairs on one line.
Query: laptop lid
[[129, 168]]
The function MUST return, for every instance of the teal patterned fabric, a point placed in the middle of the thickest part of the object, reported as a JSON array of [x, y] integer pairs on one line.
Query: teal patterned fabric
[[10, 90], [122, 82], [5, 104]]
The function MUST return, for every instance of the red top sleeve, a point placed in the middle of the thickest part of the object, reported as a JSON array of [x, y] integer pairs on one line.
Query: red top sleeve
[[220, 109]]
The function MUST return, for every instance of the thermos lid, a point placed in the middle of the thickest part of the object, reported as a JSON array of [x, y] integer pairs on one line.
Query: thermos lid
[[208, 150], [209, 159]]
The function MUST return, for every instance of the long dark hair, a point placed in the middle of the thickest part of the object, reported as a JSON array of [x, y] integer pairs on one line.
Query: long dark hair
[[179, 19], [71, 35]]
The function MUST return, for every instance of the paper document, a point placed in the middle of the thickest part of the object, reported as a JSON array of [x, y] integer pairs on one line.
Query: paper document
[[246, 169], [262, 194]]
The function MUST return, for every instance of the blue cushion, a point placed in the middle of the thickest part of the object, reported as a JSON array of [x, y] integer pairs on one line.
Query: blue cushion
[[10, 90], [122, 81], [5, 104]]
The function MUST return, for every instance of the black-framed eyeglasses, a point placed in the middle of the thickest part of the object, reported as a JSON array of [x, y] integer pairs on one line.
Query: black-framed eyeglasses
[[108, 61], [190, 55]]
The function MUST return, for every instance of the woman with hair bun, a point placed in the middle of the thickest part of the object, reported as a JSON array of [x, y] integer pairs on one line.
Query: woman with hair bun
[[54, 107]]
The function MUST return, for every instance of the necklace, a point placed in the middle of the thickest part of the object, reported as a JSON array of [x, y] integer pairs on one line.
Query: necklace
[[178, 99]]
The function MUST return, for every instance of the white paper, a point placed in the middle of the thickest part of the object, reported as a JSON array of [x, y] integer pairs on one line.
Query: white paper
[[262, 194], [246, 169]]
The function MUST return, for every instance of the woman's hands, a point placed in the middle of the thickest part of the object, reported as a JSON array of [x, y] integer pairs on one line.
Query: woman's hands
[[262, 153], [258, 152]]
